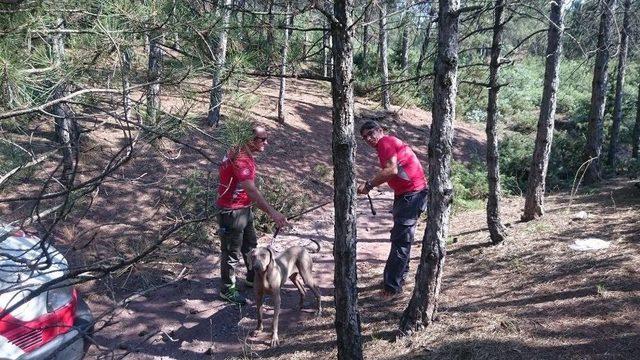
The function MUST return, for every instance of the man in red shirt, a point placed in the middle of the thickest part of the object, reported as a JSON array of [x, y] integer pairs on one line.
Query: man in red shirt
[[401, 169], [236, 193]]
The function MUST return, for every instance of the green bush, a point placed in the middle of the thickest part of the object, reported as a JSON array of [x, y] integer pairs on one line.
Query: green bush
[[470, 185], [196, 194], [285, 197], [515, 159], [565, 158]]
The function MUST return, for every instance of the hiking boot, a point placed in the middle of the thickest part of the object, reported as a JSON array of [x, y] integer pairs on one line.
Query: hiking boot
[[232, 295]]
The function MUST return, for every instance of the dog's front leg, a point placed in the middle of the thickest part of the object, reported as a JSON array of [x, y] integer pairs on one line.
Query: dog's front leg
[[259, 300], [275, 341]]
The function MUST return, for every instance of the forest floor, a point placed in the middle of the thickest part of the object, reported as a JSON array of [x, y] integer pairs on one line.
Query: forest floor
[[531, 297]]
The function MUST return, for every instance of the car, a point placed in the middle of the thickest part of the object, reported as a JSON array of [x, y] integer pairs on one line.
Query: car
[[52, 325]]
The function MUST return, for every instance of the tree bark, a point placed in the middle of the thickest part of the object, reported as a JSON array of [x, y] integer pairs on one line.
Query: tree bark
[[283, 65], [617, 106], [593, 146], [384, 58], [423, 305], [497, 230], [125, 63], [365, 41], [66, 127], [534, 202], [326, 45], [347, 321], [270, 36], [405, 41], [635, 152], [154, 69], [215, 100], [425, 46]]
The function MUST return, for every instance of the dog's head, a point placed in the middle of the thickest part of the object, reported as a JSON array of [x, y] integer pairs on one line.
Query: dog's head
[[260, 258]]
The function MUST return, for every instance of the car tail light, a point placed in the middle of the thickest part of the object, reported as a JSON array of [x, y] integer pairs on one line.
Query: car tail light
[[57, 298]]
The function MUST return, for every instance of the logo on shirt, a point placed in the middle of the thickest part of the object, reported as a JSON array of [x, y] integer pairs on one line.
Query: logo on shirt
[[246, 172]]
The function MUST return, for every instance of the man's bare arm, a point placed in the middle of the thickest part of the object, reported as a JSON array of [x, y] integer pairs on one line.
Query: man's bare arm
[[387, 173], [250, 187]]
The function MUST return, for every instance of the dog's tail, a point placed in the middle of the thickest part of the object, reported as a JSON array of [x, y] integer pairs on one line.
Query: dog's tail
[[317, 246]]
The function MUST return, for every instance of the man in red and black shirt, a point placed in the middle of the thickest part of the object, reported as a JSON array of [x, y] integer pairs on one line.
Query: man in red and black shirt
[[401, 169], [236, 193]]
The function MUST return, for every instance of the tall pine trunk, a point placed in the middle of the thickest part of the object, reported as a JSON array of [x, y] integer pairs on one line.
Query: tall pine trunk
[[424, 48], [215, 99], [404, 45], [125, 64], [593, 147], [365, 41], [384, 57], [534, 203], [66, 127], [635, 152], [347, 321], [497, 231], [423, 305], [283, 65], [153, 76], [617, 106]]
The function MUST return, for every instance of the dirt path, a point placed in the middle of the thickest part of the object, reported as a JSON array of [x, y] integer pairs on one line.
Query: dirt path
[[530, 298]]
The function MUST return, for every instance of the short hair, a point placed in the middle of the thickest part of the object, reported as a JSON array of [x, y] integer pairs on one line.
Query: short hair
[[369, 124]]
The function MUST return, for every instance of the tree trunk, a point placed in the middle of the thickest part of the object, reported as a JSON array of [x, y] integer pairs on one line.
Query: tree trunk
[[270, 37], [347, 321], [423, 305], [404, 46], [497, 231], [534, 202], [424, 48], [384, 58], [66, 127], [635, 152], [617, 107], [125, 63], [283, 65], [593, 146], [365, 41], [326, 44], [155, 67], [215, 101]]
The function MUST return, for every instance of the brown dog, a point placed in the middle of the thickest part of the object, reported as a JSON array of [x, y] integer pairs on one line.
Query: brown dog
[[271, 274]]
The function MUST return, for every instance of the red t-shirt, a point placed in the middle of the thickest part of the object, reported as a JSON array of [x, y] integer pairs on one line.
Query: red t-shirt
[[232, 172], [410, 175]]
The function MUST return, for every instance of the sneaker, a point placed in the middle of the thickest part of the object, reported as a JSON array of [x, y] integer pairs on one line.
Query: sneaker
[[232, 295]]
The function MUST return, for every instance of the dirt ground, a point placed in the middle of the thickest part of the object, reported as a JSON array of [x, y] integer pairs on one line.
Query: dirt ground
[[529, 298]]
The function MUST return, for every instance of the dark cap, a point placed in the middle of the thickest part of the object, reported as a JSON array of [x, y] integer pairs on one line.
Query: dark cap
[[369, 124]]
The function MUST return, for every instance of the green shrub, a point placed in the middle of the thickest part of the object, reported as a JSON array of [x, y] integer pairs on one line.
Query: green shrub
[[11, 157], [196, 194], [515, 158], [285, 197], [565, 158], [470, 185]]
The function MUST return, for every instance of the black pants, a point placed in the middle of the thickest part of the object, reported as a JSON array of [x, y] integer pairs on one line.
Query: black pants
[[237, 238], [406, 211]]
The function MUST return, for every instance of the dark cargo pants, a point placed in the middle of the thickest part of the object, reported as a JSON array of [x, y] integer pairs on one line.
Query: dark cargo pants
[[237, 238], [406, 211]]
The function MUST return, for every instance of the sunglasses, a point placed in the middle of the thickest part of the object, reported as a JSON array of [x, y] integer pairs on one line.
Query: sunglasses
[[263, 139]]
